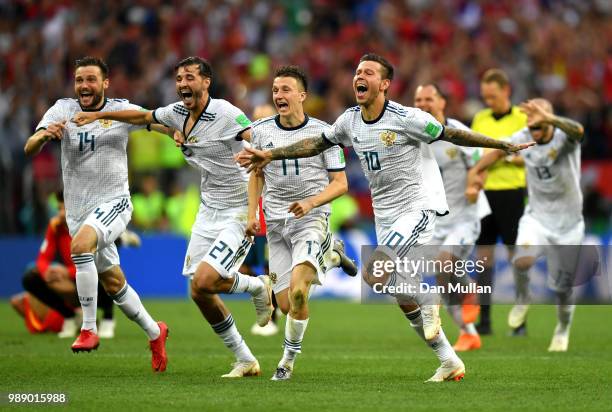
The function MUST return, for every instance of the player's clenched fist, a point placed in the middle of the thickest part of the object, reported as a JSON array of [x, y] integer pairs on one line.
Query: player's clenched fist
[[55, 131], [253, 227], [301, 208], [83, 118]]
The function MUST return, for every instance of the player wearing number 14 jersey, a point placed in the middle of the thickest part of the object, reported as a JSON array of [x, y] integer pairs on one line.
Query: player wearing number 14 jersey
[[97, 199], [214, 131]]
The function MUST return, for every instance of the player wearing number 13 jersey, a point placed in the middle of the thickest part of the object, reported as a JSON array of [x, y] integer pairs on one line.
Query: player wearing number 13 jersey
[[214, 131], [407, 190], [97, 199]]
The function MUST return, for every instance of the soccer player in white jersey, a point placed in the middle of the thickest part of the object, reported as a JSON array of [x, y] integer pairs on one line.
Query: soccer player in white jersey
[[214, 131], [407, 190], [553, 215], [296, 194], [458, 231], [97, 199]]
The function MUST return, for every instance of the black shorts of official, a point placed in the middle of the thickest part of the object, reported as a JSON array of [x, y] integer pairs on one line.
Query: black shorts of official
[[506, 209]]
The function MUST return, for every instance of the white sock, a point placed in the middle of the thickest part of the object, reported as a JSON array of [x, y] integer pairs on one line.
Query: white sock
[[470, 329], [456, 313], [294, 333], [439, 344], [129, 303], [87, 288], [521, 281], [442, 348], [246, 283], [565, 310], [230, 336]]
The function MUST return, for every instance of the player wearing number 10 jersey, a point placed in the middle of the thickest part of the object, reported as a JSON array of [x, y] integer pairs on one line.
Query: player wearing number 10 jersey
[[407, 190], [97, 199]]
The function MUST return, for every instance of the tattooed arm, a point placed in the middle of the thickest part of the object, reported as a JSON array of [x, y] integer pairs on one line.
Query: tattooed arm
[[469, 138], [253, 158], [539, 112]]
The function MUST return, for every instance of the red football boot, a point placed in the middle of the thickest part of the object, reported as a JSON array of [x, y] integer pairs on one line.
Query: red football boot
[[86, 341], [159, 359]]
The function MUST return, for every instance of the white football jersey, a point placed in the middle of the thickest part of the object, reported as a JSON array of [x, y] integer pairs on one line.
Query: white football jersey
[[454, 162], [210, 146], [292, 180], [553, 179], [403, 176], [94, 157]]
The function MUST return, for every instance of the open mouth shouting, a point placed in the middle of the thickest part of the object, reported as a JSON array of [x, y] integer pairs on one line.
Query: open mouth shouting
[[187, 96], [87, 98], [281, 105], [361, 88]]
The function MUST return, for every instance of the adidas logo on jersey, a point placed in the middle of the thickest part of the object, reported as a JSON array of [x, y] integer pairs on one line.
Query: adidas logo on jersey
[[355, 139], [270, 145]]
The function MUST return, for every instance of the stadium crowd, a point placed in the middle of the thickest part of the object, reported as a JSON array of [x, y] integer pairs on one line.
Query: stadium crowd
[[562, 55]]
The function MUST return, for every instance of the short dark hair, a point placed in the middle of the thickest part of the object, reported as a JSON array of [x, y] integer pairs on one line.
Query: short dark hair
[[387, 73], [293, 71], [437, 88], [92, 61], [203, 65], [496, 76]]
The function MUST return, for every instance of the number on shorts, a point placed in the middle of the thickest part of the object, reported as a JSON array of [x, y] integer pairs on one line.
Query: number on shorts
[[394, 236], [221, 247], [310, 243]]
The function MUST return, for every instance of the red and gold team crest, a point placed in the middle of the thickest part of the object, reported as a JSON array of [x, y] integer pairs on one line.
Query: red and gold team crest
[[452, 152], [105, 123], [192, 139], [552, 154], [273, 277], [388, 138]]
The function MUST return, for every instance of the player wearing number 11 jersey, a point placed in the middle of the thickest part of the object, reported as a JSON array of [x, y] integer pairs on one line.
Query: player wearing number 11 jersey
[[97, 199], [407, 190]]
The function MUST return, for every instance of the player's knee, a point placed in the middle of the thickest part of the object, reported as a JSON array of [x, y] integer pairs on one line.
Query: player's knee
[[298, 297], [112, 285], [523, 263], [201, 284], [78, 247]]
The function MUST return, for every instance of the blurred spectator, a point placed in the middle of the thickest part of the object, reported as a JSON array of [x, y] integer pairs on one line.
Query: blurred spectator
[[554, 49], [148, 214]]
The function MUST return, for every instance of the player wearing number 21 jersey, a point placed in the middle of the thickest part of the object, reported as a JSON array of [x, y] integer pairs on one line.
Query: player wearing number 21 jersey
[[214, 131]]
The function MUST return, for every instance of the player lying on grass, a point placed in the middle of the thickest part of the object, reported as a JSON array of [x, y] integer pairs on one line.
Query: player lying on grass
[[214, 131], [295, 202], [97, 198], [457, 232], [407, 190], [553, 216]]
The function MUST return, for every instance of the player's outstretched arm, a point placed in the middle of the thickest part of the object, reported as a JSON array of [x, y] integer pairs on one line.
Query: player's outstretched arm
[[138, 117], [477, 175], [253, 158], [338, 185], [538, 115], [472, 139], [256, 183], [55, 131]]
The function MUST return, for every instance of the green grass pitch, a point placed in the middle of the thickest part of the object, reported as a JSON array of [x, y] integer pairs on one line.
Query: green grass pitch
[[355, 358]]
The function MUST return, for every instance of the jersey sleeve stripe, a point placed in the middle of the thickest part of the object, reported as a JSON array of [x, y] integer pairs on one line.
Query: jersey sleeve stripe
[[340, 169]]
